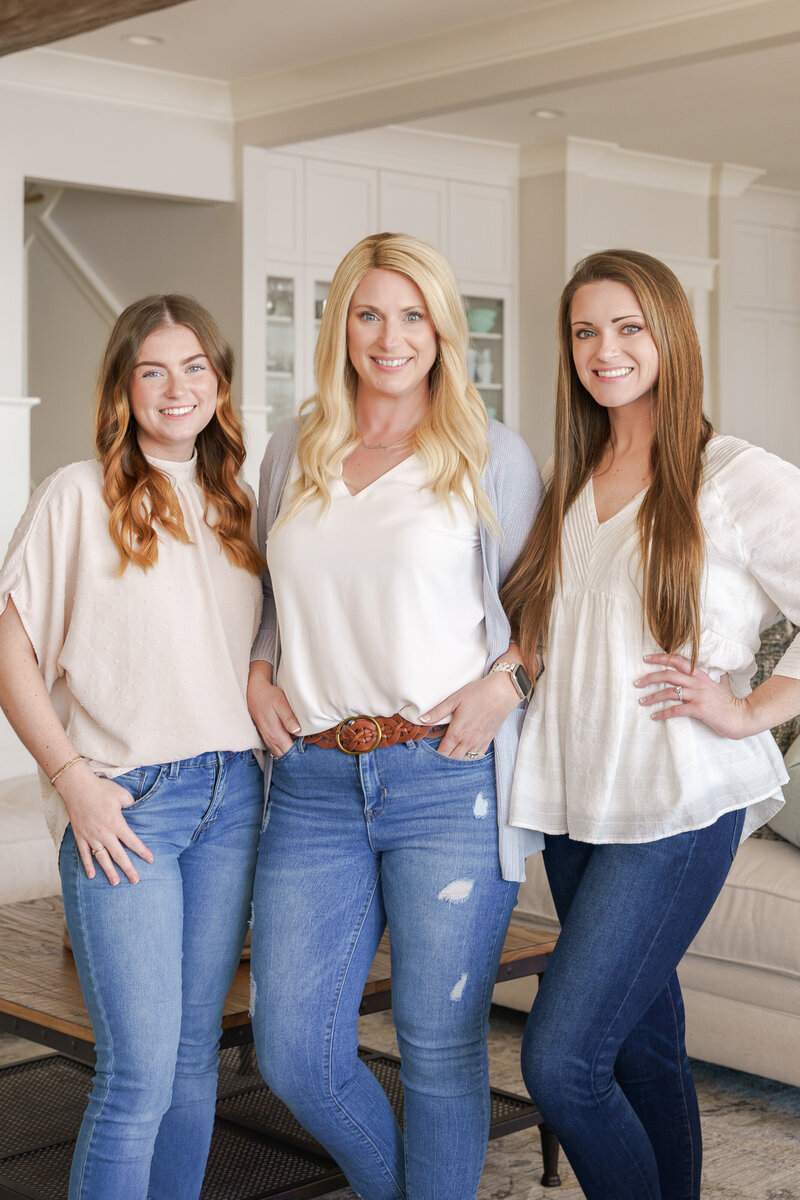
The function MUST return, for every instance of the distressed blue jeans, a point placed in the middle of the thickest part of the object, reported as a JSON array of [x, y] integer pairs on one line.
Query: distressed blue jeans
[[155, 961], [401, 835], [603, 1054]]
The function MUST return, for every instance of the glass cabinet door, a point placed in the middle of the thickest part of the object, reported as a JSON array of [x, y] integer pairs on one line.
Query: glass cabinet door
[[281, 356], [486, 320]]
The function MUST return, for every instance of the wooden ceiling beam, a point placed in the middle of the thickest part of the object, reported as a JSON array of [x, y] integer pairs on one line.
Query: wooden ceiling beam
[[26, 23]]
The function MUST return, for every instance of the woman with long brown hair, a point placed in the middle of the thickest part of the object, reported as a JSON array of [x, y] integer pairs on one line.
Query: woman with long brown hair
[[659, 552], [131, 595]]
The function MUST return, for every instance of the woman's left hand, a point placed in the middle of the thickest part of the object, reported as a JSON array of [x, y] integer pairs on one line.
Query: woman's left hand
[[693, 693], [478, 710]]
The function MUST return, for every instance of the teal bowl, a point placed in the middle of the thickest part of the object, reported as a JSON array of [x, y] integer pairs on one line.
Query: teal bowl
[[481, 320]]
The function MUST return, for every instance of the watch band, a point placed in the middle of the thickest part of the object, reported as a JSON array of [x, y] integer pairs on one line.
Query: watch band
[[518, 676]]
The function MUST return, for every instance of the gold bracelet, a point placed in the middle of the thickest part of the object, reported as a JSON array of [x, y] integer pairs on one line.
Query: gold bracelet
[[65, 767]]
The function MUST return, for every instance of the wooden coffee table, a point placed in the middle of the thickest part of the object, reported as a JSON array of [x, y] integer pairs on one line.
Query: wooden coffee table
[[258, 1151]]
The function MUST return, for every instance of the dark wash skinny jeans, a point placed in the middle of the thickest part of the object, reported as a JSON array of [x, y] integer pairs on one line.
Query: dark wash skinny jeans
[[603, 1054]]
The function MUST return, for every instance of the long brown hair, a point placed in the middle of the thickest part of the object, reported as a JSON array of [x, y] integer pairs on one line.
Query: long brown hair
[[139, 496], [671, 543]]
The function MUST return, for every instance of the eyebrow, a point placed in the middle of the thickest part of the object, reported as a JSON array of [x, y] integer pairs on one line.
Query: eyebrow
[[374, 308], [614, 320], [191, 358]]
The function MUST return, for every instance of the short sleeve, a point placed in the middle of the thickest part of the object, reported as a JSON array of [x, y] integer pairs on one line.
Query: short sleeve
[[38, 572], [761, 494]]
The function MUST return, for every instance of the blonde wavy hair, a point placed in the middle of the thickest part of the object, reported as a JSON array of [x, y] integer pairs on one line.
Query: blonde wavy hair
[[452, 436], [139, 496], [671, 543]]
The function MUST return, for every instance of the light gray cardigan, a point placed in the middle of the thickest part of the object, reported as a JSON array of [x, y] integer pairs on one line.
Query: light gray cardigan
[[514, 489]]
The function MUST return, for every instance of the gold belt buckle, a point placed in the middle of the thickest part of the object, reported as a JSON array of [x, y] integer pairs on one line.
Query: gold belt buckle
[[348, 721]]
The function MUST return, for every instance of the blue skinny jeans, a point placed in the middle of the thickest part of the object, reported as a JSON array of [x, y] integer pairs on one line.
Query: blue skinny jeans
[[405, 835], [603, 1054], [155, 961]]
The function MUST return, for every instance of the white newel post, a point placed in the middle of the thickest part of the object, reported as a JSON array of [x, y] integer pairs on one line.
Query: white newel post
[[15, 409]]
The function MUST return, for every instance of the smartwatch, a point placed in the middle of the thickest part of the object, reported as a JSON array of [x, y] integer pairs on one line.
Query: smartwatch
[[518, 676]]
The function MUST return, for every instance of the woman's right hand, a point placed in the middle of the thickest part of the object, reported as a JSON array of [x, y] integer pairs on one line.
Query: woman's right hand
[[270, 710], [101, 832]]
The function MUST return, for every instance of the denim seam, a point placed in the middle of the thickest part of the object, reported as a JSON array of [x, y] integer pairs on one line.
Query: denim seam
[[101, 1008], [334, 1098], [676, 1047]]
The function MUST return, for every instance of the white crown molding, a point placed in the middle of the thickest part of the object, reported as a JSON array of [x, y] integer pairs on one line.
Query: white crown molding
[[58, 72], [419, 152], [615, 163]]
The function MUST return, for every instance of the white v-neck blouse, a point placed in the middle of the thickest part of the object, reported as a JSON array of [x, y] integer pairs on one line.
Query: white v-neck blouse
[[591, 762], [379, 600]]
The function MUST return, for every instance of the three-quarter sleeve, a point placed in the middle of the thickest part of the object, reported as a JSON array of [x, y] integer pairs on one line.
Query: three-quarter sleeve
[[762, 499], [266, 639]]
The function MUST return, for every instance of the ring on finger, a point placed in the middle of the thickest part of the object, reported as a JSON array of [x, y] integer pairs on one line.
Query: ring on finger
[[473, 754], [96, 850], [679, 691]]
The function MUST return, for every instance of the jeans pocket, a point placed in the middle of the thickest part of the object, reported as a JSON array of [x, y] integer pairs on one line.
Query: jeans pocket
[[281, 758], [430, 745], [142, 783]]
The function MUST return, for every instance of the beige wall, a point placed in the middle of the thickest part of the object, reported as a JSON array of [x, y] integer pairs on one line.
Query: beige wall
[[127, 246]]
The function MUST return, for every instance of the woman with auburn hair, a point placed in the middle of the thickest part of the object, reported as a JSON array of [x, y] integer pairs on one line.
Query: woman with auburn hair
[[130, 598], [659, 552], [388, 695]]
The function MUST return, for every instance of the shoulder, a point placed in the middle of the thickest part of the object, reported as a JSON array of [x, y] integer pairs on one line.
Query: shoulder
[[733, 464], [73, 482], [511, 464]]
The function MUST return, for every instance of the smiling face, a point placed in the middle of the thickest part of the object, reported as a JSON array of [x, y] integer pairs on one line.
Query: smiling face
[[172, 393], [390, 338], [614, 353]]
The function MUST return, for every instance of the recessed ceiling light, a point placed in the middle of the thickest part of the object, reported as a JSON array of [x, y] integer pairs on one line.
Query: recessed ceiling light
[[142, 39], [548, 114]]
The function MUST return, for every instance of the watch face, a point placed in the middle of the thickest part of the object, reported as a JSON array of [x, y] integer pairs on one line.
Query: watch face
[[523, 681]]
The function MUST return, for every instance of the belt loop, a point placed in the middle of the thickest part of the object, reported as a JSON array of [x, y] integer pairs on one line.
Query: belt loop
[[174, 770]]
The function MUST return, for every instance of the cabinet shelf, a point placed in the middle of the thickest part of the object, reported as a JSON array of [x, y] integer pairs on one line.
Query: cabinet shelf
[[486, 337], [489, 387], [280, 375], [278, 320]]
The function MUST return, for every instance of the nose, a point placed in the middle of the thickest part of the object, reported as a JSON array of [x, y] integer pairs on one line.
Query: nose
[[390, 333], [607, 347], [176, 384]]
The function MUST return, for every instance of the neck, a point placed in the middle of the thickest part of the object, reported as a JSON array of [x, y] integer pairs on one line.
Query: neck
[[631, 429], [386, 422]]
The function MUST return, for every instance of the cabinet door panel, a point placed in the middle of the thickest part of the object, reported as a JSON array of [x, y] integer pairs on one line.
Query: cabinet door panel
[[283, 208], [414, 204], [341, 208], [481, 231]]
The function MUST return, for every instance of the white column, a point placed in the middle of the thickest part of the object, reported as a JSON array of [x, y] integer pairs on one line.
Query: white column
[[15, 409]]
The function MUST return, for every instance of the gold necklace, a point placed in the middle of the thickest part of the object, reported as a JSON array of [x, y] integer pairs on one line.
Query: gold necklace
[[392, 445]]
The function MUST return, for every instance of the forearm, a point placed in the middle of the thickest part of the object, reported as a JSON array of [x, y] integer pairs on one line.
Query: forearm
[[25, 699], [774, 701]]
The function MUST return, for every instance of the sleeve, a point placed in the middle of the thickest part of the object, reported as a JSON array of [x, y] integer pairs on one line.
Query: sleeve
[[266, 639], [763, 502], [518, 493], [39, 572]]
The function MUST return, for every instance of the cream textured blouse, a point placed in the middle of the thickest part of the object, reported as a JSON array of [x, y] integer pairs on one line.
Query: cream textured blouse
[[379, 598], [591, 762], [147, 667]]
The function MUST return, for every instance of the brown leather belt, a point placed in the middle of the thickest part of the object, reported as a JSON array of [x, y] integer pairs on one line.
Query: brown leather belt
[[360, 735]]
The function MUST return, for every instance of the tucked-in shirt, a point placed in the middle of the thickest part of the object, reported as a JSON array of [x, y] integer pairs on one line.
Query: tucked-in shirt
[[591, 762], [513, 489], [144, 667], [393, 619]]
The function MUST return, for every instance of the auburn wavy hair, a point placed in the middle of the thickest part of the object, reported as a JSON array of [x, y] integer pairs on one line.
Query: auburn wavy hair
[[139, 496], [671, 544], [452, 437]]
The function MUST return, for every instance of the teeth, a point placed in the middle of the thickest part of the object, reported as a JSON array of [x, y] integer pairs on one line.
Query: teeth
[[615, 373], [178, 412], [391, 362]]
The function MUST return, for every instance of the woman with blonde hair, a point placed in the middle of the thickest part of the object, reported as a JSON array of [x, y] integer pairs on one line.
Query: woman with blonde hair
[[659, 552], [131, 596], [386, 691]]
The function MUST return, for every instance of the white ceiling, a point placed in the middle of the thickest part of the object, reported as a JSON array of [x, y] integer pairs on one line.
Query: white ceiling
[[740, 107]]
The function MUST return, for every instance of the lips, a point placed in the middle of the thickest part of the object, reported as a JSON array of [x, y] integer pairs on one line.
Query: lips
[[182, 411], [391, 362], [613, 372]]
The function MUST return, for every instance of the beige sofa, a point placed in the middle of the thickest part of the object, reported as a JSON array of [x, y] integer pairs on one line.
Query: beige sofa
[[741, 975], [28, 865]]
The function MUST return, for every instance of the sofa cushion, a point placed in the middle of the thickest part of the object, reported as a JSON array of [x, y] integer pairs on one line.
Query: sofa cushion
[[28, 862], [756, 919]]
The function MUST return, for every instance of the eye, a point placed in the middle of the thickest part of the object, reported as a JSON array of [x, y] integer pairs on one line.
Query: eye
[[415, 316], [582, 334], [632, 328], [153, 373], [194, 367], [367, 316]]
